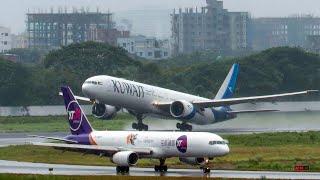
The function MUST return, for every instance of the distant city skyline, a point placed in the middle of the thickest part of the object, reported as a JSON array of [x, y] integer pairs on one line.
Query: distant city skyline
[[12, 12]]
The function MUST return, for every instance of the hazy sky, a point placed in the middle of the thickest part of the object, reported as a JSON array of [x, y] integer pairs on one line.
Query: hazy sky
[[12, 12]]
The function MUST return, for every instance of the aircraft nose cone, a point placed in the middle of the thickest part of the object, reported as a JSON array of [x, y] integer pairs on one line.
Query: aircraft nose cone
[[86, 89], [226, 150]]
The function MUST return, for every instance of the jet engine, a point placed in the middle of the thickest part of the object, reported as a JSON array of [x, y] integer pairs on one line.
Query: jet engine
[[103, 111], [193, 161], [182, 109], [125, 158]]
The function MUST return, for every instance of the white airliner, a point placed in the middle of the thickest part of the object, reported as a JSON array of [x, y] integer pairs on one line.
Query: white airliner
[[110, 94], [125, 148]]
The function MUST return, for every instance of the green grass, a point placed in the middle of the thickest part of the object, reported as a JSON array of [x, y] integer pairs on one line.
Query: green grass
[[57, 123], [246, 154]]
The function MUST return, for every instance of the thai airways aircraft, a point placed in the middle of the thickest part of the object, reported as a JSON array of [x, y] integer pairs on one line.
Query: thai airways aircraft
[[110, 94], [125, 148]]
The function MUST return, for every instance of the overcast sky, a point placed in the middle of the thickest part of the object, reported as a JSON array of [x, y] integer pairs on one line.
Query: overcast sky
[[12, 12]]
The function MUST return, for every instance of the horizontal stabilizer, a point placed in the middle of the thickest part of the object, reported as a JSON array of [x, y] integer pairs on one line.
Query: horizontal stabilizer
[[54, 138], [253, 111], [78, 97]]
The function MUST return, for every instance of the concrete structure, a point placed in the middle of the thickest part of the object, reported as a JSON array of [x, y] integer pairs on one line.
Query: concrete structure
[[146, 47], [20, 41], [240, 29], [5, 39], [284, 31], [109, 36], [210, 28], [313, 43], [52, 30]]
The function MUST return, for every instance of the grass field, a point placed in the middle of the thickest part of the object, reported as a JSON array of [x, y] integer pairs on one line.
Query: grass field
[[57, 123], [270, 151]]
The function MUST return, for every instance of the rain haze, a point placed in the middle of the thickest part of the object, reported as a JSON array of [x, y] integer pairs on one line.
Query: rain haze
[[153, 14]]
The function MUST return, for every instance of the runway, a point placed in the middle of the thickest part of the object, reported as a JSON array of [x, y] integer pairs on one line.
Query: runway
[[41, 168], [60, 169]]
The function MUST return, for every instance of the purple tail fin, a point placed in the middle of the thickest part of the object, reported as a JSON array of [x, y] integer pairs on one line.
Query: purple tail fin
[[78, 121]]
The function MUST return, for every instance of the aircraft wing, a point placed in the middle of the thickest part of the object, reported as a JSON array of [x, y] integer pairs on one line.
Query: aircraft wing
[[95, 148], [78, 98], [233, 101]]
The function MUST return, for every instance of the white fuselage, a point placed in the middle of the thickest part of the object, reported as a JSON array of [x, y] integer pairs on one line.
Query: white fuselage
[[140, 97], [165, 144]]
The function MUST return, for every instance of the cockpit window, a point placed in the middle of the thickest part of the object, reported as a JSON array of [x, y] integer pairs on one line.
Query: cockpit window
[[93, 82], [217, 142]]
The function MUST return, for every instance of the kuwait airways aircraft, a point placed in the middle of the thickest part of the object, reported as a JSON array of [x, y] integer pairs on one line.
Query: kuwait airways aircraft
[[125, 148], [110, 94]]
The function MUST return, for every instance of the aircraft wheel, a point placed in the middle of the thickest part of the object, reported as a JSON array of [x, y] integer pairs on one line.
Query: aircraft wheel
[[165, 168], [134, 126], [206, 170], [122, 169], [156, 168], [178, 126], [145, 127], [189, 127]]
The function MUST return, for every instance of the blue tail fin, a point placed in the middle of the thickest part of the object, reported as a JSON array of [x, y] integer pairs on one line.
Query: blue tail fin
[[78, 121], [229, 85]]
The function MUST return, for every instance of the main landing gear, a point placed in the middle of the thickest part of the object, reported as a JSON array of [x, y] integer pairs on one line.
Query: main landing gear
[[122, 169], [184, 126], [162, 167], [140, 126]]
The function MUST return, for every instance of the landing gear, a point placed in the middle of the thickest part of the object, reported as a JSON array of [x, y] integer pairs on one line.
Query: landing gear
[[162, 167], [184, 126], [206, 170], [140, 126], [122, 169]]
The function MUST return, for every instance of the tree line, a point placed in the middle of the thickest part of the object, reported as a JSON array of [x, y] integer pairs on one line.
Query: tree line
[[272, 71]]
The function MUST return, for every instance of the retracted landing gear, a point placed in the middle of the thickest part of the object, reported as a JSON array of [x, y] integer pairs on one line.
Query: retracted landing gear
[[184, 126], [122, 169], [140, 126], [162, 167]]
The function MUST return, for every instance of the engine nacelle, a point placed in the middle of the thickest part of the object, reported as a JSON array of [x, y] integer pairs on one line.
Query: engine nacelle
[[103, 111], [125, 158], [182, 109], [193, 161]]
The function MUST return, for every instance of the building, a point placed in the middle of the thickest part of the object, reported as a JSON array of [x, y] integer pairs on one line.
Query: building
[[109, 36], [5, 39], [284, 31], [313, 43], [240, 26], [210, 28], [52, 30], [146, 47], [20, 41]]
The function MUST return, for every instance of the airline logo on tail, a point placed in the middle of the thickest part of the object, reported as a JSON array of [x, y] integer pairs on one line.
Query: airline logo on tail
[[182, 144], [74, 115]]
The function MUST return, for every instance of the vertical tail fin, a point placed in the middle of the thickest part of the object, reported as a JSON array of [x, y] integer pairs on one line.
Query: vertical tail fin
[[229, 85], [78, 121]]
